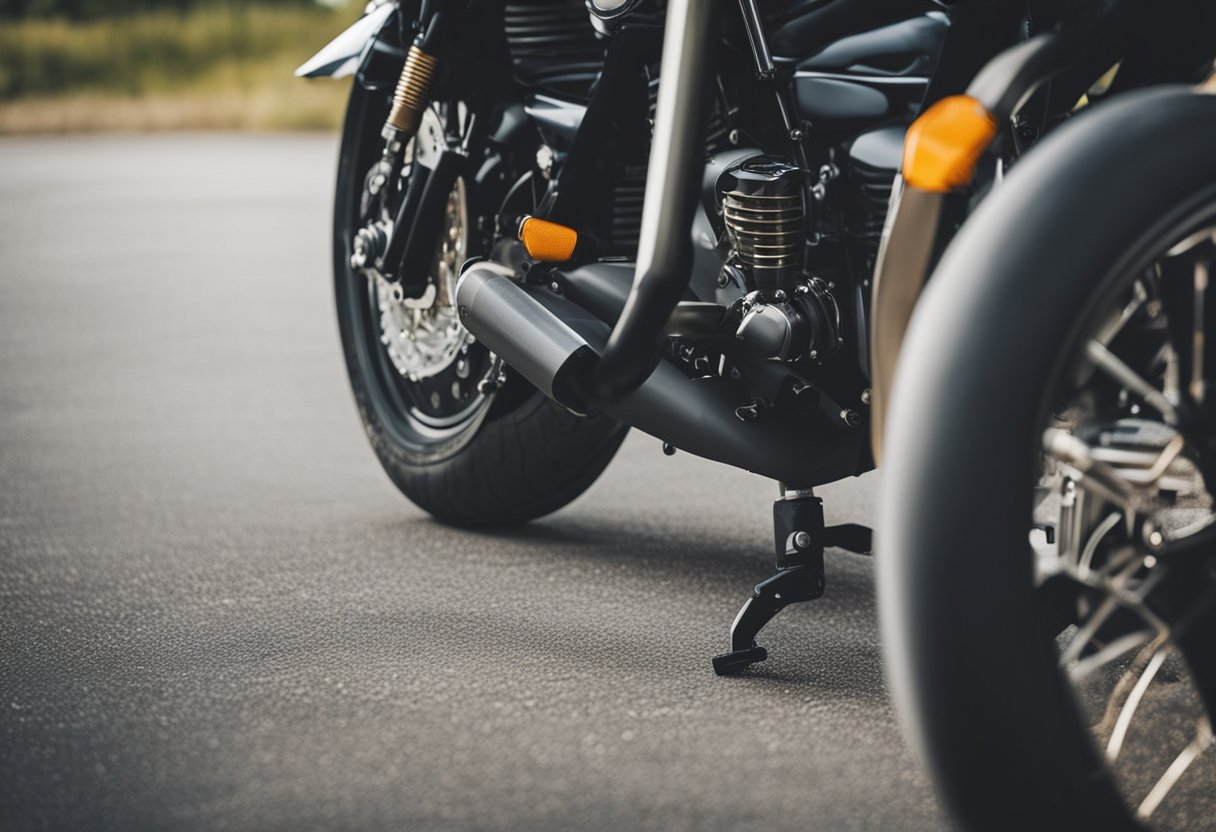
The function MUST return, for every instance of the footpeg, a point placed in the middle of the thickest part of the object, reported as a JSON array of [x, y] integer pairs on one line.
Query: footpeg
[[800, 538]]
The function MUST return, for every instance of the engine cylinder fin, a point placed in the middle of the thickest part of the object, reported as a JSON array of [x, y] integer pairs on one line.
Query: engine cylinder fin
[[765, 231]]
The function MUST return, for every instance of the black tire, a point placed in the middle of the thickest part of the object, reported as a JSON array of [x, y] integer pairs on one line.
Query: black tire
[[973, 669], [514, 459]]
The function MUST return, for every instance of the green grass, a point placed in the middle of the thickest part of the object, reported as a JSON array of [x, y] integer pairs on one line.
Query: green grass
[[222, 67]]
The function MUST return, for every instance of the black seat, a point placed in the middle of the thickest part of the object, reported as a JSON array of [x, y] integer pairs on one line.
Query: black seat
[[797, 29]]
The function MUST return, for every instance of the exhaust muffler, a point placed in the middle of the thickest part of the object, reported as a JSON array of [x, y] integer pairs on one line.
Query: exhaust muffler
[[554, 344]]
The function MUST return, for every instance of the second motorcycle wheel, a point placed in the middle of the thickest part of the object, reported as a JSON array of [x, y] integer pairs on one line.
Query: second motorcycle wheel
[[471, 454], [1047, 540]]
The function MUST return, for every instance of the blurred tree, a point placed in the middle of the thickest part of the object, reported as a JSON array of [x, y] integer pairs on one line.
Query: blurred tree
[[92, 9]]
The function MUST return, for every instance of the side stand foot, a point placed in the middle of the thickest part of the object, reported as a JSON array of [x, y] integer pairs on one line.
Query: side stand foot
[[728, 664], [789, 586]]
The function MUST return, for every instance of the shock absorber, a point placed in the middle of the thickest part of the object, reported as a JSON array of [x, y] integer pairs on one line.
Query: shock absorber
[[413, 90], [411, 96]]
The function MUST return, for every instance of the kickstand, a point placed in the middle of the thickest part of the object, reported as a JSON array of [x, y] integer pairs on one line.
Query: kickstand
[[800, 538]]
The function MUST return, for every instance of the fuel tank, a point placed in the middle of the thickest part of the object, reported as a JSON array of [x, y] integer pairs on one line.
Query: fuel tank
[[876, 74]]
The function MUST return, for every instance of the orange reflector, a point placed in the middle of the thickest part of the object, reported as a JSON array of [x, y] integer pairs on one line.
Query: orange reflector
[[945, 143], [547, 241]]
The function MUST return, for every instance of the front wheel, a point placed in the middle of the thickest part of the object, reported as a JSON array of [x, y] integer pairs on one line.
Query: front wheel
[[471, 454], [1047, 532]]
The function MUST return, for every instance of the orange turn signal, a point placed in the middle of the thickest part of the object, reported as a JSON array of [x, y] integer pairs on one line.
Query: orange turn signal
[[547, 241], [944, 145]]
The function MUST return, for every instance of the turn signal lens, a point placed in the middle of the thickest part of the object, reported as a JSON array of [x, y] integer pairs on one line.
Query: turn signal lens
[[943, 145], [547, 241]]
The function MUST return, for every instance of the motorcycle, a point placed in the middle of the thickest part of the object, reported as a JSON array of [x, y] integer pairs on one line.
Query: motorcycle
[[556, 219], [1047, 582]]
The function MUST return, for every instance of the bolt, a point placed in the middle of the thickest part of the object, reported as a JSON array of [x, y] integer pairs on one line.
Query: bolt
[[866, 395], [813, 354], [802, 540], [850, 417], [669, 449], [733, 137], [555, 287], [795, 135]]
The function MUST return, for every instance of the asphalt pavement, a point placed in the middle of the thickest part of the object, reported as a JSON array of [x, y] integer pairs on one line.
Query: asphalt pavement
[[216, 612]]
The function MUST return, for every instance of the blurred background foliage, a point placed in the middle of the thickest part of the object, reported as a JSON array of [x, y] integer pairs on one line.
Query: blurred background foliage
[[84, 9], [96, 65]]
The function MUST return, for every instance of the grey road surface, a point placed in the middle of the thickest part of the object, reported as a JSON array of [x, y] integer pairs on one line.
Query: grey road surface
[[217, 613]]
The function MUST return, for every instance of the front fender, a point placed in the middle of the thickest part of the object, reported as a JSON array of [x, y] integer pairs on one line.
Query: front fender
[[342, 55]]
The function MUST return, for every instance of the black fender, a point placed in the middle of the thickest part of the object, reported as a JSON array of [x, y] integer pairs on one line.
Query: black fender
[[343, 55]]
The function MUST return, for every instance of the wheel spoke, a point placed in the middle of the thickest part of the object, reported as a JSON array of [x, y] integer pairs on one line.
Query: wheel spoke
[[1091, 546], [1198, 382], [1117, 597], [1112, 328], [1112, 651], [1157, 658], [1114, 367], [1095, 475], [1201, 743]]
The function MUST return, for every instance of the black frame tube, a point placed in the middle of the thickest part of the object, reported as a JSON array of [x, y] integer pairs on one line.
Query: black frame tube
[[755, 37], [673, 186]]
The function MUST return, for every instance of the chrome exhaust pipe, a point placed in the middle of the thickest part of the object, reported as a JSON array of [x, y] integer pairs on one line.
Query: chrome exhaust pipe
[[554, 344]]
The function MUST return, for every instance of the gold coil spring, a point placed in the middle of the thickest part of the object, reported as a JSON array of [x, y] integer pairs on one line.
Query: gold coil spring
[[413, 91]]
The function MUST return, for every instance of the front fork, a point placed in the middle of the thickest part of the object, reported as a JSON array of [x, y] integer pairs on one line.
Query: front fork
[[400, 256]]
